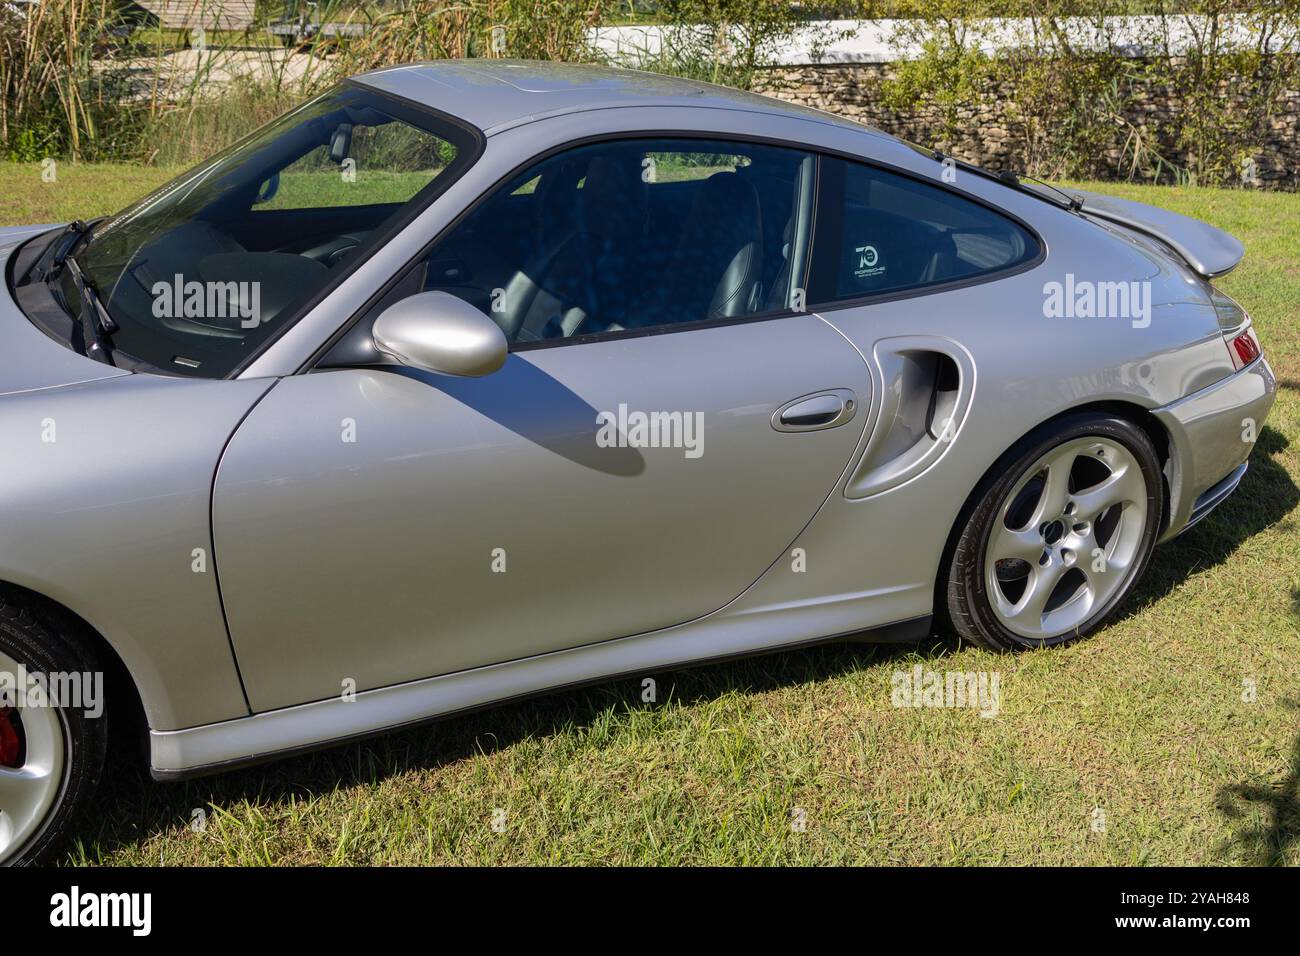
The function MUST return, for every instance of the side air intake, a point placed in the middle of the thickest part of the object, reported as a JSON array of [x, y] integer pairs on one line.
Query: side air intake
[[926, 385]]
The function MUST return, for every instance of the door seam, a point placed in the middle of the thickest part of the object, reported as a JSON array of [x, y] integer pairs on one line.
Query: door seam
[[212, 540]]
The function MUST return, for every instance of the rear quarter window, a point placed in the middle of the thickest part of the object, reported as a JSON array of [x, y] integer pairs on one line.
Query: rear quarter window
[[881, 232]]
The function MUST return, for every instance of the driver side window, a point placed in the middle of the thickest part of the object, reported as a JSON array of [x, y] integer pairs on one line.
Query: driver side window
[[632, 235]]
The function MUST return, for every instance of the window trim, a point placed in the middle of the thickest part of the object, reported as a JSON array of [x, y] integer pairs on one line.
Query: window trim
[[818, 152]]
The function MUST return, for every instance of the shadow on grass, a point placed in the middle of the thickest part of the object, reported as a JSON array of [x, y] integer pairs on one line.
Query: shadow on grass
[[1267, 843], [131, 807], [1266, 496]]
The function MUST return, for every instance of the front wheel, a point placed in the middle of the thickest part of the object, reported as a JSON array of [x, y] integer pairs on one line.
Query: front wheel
[[1059, 537], [51, 750]]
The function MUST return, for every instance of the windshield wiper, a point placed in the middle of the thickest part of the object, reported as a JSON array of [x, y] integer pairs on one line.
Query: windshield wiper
[[1074, 203], [50, 264], [97, 326]]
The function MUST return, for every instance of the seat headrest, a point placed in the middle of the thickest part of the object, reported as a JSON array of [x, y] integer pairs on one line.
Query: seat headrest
[[727, 192], [613, 196], [720, 256]]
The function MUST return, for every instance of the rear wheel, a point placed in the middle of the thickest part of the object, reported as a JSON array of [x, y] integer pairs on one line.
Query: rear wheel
[[1058, 538], [50, 756]]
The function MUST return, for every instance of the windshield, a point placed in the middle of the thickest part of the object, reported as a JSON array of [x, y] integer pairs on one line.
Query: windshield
[[198, 275]]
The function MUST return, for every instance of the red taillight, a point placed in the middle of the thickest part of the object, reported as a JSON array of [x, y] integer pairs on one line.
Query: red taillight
[[1244, 349]]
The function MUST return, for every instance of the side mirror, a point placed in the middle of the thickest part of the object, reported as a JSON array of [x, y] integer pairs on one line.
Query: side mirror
[[437, 332]]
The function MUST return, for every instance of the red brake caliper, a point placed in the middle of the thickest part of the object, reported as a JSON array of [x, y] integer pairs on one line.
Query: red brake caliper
[[9, 742]]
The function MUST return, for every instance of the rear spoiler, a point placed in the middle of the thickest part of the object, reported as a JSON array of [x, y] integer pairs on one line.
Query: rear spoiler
[[1209, 251]]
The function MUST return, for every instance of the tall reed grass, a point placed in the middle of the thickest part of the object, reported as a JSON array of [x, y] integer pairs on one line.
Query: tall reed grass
[[82, 80]]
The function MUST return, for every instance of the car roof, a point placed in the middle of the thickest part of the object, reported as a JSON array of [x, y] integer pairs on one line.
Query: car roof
[[493, 94]]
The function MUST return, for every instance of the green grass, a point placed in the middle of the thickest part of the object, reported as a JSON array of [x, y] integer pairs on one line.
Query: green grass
[[151, 40], [322, 188], [77, 191], [1146, 721]]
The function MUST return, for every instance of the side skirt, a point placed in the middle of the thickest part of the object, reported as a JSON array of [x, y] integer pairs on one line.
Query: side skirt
[[214, 748]]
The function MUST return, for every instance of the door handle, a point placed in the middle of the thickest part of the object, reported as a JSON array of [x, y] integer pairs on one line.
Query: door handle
[[822, 410], [813, 412]]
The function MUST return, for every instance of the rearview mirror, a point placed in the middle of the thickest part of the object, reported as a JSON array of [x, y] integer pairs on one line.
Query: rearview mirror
[[341, 142], [437, 332], [266, 192]]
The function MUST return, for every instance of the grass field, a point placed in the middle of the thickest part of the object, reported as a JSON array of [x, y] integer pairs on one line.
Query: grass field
[[1135, 747]]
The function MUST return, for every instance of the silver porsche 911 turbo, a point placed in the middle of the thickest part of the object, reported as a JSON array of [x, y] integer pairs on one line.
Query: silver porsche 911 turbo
[[470, 380]]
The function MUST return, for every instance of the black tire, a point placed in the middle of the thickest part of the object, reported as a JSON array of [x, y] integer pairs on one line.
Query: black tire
[[968, 607], [32, 637]]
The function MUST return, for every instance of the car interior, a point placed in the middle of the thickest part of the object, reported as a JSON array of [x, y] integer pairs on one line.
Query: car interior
[[279, 213], [590, 242], [631, 236]]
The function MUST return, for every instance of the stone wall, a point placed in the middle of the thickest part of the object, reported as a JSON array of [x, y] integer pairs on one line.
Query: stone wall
[[985, 136]]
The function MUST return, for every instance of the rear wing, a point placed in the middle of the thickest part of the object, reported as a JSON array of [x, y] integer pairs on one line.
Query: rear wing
[[1209, 251]]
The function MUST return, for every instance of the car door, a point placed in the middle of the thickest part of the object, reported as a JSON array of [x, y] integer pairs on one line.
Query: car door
[[374, 525]]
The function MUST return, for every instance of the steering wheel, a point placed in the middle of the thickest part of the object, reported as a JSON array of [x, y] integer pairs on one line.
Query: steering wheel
[[333, 252]]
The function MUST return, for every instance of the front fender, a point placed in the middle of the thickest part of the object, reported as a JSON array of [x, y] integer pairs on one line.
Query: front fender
[[104, 500]]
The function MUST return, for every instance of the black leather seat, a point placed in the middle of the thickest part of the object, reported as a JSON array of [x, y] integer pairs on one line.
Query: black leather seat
[[607, 275], [716, 271], [587, 274]]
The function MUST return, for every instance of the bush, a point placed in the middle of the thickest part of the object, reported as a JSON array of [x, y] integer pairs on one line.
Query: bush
[[1068, 101], [731, 41], [83, 79]]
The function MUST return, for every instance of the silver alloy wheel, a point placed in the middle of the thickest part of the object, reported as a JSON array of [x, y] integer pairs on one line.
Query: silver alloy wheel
[[29, 792], [1066, 538]]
